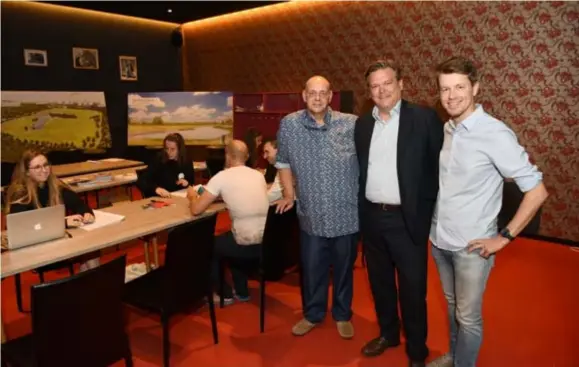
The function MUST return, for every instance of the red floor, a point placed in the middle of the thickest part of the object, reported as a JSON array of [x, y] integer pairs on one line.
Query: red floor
[[531, 319]]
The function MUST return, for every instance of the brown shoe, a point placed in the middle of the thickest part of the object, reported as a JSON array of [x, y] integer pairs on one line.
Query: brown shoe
[[345, 329], [377, 346], [302, 327]]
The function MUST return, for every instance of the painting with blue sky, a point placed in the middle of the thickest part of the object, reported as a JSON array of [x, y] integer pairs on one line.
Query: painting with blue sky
[[203, 118]]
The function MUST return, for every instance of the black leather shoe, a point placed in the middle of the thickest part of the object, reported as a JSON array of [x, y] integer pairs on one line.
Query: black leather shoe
[[416, 364], [377, 346]]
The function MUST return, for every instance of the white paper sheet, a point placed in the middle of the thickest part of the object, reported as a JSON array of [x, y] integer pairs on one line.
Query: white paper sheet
[[180, 193], [102, 219]]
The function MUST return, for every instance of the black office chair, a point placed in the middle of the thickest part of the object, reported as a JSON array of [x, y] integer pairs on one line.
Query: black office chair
[[278, 236], [183, 282], [77, 321]]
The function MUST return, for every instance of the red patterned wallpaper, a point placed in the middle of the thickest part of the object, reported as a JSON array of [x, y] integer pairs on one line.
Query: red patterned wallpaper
[[526, 51]]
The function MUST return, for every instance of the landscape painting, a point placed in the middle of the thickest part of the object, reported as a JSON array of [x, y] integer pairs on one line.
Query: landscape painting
[[53, 121], [203, 118]]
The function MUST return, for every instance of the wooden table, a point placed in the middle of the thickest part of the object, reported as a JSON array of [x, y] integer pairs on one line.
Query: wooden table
[[138, 223], [119, 177], [109, 164]]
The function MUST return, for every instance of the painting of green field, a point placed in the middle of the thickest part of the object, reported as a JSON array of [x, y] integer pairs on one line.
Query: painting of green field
[[153, 135], [56, 129], [53, 121], [202, 118]]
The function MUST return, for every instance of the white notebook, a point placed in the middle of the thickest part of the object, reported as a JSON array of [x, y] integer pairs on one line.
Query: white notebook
[[102, 219]]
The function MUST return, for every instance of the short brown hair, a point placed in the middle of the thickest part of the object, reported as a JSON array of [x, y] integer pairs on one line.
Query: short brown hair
[[384, 64], [459, 65], [271, 141]]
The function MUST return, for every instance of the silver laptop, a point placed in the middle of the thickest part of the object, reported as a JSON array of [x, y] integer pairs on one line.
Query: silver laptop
[[35, 226]]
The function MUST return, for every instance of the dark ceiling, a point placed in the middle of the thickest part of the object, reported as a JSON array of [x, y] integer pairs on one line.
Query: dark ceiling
[[170, 11]]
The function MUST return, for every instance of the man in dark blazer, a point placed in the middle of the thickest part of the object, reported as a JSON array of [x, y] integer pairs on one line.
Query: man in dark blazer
[[398, 145]]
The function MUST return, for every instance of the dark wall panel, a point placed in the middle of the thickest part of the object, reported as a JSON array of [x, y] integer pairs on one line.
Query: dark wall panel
[[56, 29]]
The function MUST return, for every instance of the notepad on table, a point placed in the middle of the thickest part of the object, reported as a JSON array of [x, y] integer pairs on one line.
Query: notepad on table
[[103, 219], [180, 193]]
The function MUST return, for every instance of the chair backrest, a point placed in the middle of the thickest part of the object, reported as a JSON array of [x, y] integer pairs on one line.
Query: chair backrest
[[187, 269], [270, 173], [79, 321], [215, 160], [512, 198], [280, 237], [141, 184]]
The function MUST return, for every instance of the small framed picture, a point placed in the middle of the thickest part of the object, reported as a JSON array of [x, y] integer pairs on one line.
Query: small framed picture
[[35, 58], [85, 58], [128, 67]]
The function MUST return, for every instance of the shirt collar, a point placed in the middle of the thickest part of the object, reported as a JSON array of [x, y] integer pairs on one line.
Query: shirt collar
[[395, 111], [470, 121], [310, 122]]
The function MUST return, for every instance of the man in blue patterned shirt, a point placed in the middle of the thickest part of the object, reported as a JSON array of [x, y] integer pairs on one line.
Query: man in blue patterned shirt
[[316, 146]]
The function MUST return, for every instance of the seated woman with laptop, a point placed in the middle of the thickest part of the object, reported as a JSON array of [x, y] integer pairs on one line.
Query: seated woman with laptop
[[34, 186], [171, 171]]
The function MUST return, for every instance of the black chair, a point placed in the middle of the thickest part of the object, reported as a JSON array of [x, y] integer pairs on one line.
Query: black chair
[[141, 185], [512, 198], [183, 282], [215, 160], [69, 264], [278, 236], [77, 321], [270, 173]]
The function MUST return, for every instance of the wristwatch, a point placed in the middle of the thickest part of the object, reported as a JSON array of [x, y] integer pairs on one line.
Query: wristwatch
[[506, 234]]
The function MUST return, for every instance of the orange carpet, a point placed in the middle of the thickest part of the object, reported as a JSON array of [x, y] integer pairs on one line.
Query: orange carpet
[[531, 314]]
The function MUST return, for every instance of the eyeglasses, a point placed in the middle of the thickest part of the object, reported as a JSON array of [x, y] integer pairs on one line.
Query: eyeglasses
[[40, 166], [321, 94]]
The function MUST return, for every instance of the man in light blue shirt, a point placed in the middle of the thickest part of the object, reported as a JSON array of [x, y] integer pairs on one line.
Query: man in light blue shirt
[[478, 153]]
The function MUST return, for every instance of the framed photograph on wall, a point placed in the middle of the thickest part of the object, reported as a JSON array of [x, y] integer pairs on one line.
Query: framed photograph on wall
[[85, 58], [128, 67], [35, 57]]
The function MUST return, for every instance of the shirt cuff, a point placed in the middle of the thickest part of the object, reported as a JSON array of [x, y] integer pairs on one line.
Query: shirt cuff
[[528, 183], [210, 190]]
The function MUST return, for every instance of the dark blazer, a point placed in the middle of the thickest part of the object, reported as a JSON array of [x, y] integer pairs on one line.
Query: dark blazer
[[420, 138]]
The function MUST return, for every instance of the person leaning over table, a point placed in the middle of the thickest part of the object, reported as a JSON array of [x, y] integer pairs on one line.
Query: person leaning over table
[[244, 193], [171, 171], [34, 186]]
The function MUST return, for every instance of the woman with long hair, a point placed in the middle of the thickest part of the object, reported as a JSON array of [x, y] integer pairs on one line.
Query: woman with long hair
[[253, 139], [171, 171], [35, 186]]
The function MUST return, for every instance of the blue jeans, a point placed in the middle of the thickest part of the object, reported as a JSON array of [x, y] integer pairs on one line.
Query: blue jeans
[[227, 248], [318, 255], [464, 276]]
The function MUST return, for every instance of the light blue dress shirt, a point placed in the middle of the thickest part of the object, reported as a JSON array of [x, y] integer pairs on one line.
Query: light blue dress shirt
[[382, 183], [476, 157]]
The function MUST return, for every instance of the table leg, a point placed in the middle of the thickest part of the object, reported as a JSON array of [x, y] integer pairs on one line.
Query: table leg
[[147, 260], [155, 251]]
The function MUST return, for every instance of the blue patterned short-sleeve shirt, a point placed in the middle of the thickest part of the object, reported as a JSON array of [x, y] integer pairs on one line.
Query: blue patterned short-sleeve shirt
[[324, 164]]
